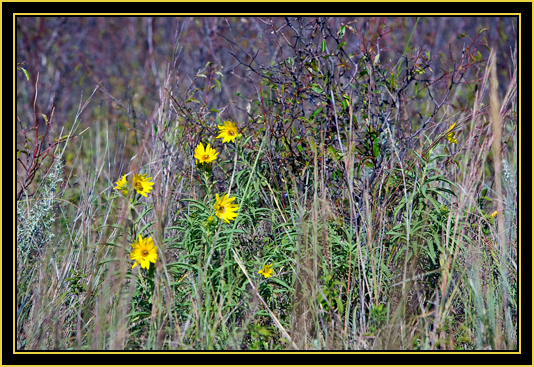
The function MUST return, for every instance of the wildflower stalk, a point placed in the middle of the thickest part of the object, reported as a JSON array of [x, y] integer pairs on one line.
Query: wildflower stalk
[[246, 190], [207, 184]]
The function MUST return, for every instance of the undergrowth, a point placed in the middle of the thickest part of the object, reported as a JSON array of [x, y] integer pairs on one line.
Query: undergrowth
[[353, 205]]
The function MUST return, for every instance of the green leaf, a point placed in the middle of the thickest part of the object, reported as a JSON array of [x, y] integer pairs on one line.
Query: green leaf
[[339, 306], [392, 81], [113, 259], [316, 112], [342, 31], [191, 99], [25, 72], [376, 60], [334, 154], [317, 89], [430, 198], [139, 314], [341, 45], [447, 191], [400, 206], [313, 64], [385, 269], [376, 149], [323, 46], [182, 265], [280, 282], [410, 38]]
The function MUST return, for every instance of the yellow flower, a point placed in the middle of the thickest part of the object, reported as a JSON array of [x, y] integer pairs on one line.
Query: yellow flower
[[450, 136], [142, 184], [122, 185], [205, 155], [224, 209], [144, 252], [266, 271], [494, 214], [228, 132]]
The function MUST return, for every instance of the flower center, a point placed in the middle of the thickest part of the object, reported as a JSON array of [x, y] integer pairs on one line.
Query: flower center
[[231, 133], [206, 157], [144, 253], [138, 185]]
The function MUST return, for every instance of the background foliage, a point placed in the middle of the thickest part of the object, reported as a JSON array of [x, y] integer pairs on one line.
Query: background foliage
[[379, 229]]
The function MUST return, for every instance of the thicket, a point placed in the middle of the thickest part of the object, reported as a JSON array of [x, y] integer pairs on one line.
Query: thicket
[[374, 169]]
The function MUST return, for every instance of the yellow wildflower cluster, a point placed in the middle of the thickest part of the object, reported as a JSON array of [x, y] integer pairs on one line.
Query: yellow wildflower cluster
[[144, 252], [224, 209], [227, 132]]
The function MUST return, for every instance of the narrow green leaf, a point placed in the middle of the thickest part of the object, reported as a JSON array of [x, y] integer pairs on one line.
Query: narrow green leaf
[[316, 112], [280, 282], [25, 73]]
